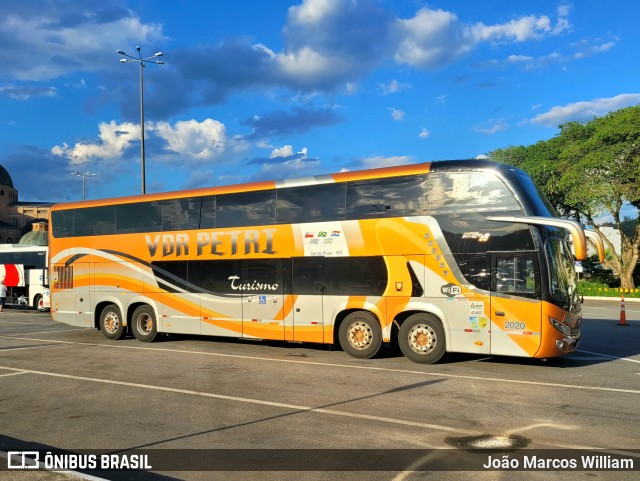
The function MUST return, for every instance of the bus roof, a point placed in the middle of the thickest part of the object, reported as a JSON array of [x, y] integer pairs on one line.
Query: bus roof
[[409, 169]]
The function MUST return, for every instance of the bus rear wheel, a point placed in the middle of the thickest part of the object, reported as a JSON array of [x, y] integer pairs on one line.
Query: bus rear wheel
[[143, 324], [360, 335], [111, 322], [422, 339]]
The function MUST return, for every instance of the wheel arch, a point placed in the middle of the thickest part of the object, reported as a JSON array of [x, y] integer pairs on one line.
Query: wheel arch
[[100, 306], [340, 316], [423, 308]]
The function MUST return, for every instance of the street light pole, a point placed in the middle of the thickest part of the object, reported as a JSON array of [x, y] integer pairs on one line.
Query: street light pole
[[84, 176], [141, 61]]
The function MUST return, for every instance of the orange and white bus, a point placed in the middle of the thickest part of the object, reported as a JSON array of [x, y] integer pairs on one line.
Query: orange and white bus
[[452, 256]]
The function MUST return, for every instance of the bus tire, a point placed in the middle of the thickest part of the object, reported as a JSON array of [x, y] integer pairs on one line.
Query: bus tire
[[421, 338], [360, 335], [143, 324], [38, 303], [111, 322]]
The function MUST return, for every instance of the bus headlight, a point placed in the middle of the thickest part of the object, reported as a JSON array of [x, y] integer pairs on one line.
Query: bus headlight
[[563, 328]]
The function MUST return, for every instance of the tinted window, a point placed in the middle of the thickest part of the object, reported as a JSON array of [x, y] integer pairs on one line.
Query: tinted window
[[246, 209], [62, 223], [216, 276], [307, 275], [312, 203], [475, 269], [172, 276], [181, 214], [365, 276], [392, 197], [262, 277], [455, 192], [339, 276], [139, 217], [94, 221], [208, 213]]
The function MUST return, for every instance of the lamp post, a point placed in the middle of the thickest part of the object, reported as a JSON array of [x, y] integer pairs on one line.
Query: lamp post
[[84, 176], [141, 61]]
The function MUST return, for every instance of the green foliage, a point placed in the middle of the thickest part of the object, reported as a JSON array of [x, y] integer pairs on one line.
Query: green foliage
[[589, 288], [590, 169]]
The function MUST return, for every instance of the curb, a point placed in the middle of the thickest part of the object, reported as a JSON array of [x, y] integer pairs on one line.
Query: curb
[[617, 299]]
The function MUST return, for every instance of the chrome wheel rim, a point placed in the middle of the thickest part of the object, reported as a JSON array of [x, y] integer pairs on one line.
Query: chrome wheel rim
[[360, 335], [112, 322], [422, 338], [145, 323]]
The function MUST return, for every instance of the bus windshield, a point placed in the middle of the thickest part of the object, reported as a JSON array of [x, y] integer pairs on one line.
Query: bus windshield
[[563, 279]]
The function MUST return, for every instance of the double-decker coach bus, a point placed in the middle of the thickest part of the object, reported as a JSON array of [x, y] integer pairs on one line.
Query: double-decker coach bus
[[452, 256]]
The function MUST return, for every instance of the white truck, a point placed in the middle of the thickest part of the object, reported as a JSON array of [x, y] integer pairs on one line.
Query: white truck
[[24, 269]]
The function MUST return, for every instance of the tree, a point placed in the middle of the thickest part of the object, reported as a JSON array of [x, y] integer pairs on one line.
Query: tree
[[590, 169]]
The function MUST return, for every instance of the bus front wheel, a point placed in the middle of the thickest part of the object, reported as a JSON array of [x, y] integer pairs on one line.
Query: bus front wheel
[[143, 324], [422, 339], [360, 335], [38, 303], [111, 322]]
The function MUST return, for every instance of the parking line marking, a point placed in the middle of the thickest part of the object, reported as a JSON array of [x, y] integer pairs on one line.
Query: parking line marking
[[13, 374], [19, 322], [348, 366], [4, 349], [58, 330], [608, 356], [294, 407]]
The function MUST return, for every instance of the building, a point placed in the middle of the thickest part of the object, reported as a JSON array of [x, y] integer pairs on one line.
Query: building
[[16, 218]]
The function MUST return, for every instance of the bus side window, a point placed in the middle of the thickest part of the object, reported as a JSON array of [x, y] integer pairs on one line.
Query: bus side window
[[475, 269], [516, 275]]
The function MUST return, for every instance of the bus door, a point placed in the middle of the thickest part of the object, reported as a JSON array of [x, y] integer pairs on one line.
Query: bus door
[[308, 288], [263, 310], [516, 308]]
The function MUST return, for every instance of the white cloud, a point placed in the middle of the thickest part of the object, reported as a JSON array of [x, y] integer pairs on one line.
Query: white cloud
[[198, 140], [393, 87], [586, 110], [287, 151], [581, 50], [49, 46], [114, 140], [26, 92], [284, 151], [313, 11], [433, 38], [517, 30], [491, 126], [305, 62], [396, 114], [424, 133], [190, 139], [519, 58]]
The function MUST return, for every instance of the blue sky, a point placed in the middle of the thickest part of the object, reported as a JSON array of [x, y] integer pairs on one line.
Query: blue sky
[[255, 90]]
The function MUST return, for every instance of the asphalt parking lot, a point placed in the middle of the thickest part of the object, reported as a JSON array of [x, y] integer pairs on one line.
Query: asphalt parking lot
[[205, 402]]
